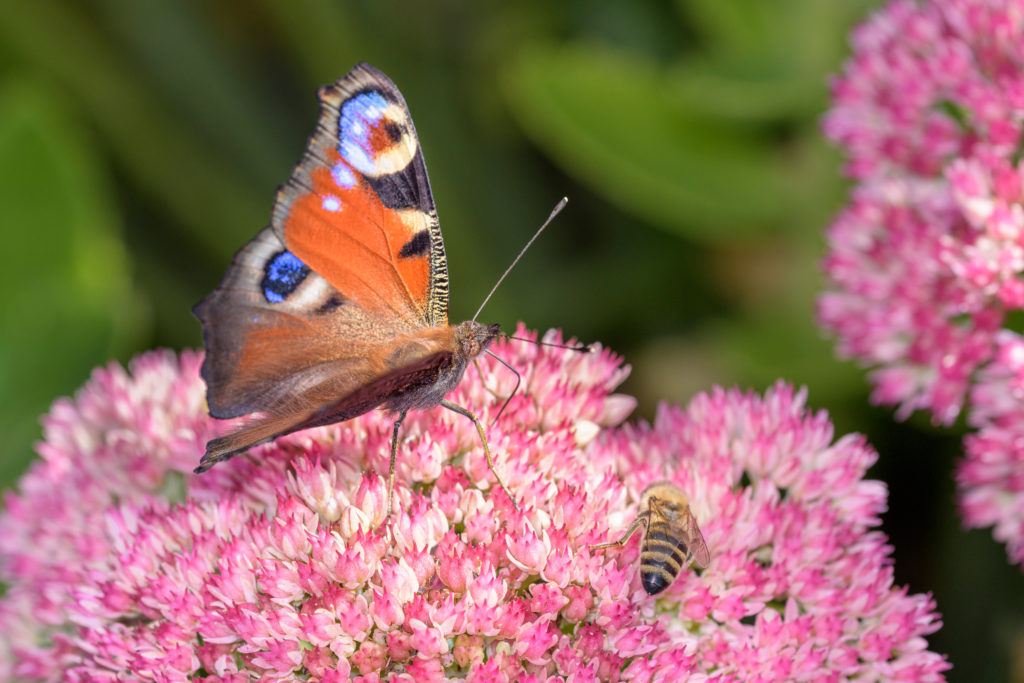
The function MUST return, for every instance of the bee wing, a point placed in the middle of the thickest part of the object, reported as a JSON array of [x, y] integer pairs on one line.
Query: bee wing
[[695, 544]]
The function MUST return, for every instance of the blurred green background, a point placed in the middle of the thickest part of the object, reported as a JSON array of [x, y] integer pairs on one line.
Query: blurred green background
[[141, 144]]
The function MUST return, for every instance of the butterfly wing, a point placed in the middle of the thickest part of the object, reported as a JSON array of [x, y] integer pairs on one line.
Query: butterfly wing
[[343, 299], [282, 342], [358, 208], [327, 398], [274, 328]]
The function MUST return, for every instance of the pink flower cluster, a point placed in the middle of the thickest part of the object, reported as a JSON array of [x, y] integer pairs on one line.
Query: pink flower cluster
[[120, 563], [992, 476], [926, 262]]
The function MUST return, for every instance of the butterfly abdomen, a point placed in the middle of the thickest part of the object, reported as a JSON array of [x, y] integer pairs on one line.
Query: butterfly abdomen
[[662, 557]]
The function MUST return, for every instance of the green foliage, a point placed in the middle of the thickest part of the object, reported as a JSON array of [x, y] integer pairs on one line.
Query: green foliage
[[717, 144], [68, 302], [617, 124]]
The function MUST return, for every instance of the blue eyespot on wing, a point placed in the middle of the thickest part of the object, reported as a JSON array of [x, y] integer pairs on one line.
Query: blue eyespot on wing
[[282, 276], [271, 322], [358, 209], [366, 132]]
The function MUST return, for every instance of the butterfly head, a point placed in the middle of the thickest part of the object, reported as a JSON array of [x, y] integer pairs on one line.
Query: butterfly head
[[473, 337]]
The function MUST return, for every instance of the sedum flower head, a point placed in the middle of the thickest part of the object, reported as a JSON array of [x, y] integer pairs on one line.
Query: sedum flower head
[[991, 477], [926, 261], [120, 563]]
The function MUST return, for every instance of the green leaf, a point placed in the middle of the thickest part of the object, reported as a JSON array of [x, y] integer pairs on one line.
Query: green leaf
[[758, 60], [784, 37], [614, 121], [721, 91], [740, 26], [67, 301], [162, 156]]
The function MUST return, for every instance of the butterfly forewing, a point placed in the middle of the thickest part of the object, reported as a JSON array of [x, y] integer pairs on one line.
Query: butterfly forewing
[[358, 208]]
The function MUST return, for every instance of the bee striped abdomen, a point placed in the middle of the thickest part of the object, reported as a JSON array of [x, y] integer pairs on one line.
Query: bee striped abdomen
[[671, 537], [661, 557]]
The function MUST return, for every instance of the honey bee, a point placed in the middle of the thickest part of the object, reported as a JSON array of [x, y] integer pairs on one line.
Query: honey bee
[[671, 539]]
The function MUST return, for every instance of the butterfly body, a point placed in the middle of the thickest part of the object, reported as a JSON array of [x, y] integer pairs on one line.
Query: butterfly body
[[340, 306]]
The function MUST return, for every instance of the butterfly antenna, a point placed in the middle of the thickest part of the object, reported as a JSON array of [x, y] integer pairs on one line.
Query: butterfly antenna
[[554, 212], [582, 348], [515, 389]]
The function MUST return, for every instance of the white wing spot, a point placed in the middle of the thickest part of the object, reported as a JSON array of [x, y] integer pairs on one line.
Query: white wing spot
[[331, 203]]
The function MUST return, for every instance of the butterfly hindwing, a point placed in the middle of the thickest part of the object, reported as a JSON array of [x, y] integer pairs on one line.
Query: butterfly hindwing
[[283, 342], [273, 327], [358, 208]]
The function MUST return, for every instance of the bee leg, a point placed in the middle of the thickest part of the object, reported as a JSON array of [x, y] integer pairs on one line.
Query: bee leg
[[391, 465], [487, 451], [642, 518]]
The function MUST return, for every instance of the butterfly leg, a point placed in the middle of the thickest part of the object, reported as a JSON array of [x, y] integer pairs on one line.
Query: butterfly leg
[[487, 451], [494, 392], [391, 465], [483, 381], [642, 518]]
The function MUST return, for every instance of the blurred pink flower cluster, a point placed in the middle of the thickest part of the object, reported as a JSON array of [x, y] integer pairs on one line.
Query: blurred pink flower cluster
[[926, 262], [121, 563]]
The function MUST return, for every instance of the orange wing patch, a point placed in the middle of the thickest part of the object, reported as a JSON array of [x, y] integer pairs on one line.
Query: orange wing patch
[[376, 256], [358, 209], [267, 329]]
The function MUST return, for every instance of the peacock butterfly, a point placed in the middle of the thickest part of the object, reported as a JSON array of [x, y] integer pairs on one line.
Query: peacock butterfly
[[340, 306]]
